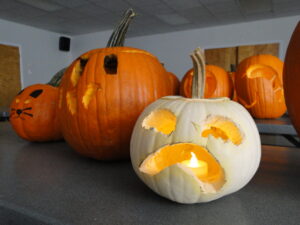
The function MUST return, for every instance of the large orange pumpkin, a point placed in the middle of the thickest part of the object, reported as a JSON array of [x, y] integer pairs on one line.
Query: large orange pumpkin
[[291, 78], [258, 83], [33, 112], [218, 83], [104, 91]]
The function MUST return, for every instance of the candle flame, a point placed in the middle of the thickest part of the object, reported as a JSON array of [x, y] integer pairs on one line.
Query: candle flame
[[194, 161]]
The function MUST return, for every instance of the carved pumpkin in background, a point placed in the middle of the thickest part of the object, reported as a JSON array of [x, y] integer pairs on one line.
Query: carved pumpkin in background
[[259, 87], [104, 91], [218, 83], [33, 112], [291, 78], [195, 150]]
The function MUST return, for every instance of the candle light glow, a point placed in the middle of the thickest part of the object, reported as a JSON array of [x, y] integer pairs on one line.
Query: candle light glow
[[199, 167]]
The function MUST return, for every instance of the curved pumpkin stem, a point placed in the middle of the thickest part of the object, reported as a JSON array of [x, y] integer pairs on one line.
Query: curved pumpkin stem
[[198, 85], [56, 79], [117, 38]]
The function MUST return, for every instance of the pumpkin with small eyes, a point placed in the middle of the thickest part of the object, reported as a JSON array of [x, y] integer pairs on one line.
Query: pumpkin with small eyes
[[193, 150], [33, 112], [103, 92]]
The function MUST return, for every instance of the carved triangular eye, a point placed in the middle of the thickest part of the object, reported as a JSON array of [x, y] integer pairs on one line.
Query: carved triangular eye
[[36, 93], [20, 92]]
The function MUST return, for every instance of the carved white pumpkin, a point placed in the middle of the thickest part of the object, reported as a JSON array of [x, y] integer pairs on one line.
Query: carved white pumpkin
[[218, 135]]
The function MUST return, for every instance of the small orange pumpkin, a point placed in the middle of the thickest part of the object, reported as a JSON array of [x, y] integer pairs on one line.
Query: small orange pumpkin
[[33, 112], [103, 92], [218, 83], [291, 78], [258, 83]]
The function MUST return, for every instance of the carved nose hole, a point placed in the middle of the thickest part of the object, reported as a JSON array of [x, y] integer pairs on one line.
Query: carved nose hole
[[111, 64], [19, 111]]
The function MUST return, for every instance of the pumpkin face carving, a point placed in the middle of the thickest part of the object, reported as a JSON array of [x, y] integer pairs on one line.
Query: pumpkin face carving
[[33, 113], [259, 87], [102, 94], [195, 150]]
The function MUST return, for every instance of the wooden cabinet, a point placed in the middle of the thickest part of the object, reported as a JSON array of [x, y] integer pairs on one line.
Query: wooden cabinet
[[10, 82], [229, 58]]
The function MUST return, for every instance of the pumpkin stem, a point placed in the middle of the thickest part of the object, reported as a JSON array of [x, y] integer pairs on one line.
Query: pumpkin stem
[[118, 36], [56, 79], [198, 85]]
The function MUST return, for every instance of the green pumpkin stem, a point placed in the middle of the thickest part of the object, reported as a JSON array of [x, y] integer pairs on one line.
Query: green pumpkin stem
[[198, 85], [117, 38], [56, 79]]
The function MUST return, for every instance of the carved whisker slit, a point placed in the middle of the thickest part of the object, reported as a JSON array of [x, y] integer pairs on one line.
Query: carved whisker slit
[[29, 108], [28, 114]]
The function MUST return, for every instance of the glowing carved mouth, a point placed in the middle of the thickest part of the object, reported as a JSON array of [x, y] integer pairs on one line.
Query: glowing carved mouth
[[210, 174]]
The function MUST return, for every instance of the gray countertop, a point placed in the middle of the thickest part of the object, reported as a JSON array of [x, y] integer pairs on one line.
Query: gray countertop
[[281, 126], [48, 183]]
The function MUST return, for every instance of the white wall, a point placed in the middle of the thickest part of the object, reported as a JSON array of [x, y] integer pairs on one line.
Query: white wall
[[174, 48], [85, 42], [40, 58]]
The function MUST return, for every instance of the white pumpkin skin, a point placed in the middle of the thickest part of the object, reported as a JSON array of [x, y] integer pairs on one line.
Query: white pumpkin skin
[[239, 162]]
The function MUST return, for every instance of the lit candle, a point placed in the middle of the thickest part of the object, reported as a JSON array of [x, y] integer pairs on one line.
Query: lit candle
[[199, 167]]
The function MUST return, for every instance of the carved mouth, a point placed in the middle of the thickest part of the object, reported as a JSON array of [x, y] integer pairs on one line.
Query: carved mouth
[[208, 171]]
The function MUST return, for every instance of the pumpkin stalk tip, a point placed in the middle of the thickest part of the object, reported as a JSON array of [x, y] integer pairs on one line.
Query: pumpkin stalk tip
[[117, 38], [56, 79], [198, 85]]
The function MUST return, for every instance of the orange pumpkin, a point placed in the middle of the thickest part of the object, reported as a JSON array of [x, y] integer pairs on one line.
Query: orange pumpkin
[[232, 79], [103, 92], [291, 78], [218, 83], [258, 83], [33, 113], [175, 83]]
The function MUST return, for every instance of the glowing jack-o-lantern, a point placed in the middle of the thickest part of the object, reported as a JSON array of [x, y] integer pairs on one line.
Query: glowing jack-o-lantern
[[259, 87], [33, 113], [194, 150]]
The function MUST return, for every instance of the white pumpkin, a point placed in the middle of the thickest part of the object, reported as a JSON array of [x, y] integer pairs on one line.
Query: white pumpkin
[[173, 130]]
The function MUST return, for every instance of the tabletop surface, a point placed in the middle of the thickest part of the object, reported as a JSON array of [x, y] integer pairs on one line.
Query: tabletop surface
[[48, 183], [280, 126]]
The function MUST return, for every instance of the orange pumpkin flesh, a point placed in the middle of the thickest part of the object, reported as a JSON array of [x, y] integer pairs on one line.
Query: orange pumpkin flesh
[[218, 83], [258, 83], [214, 178], [291, 78], [33, 113]]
